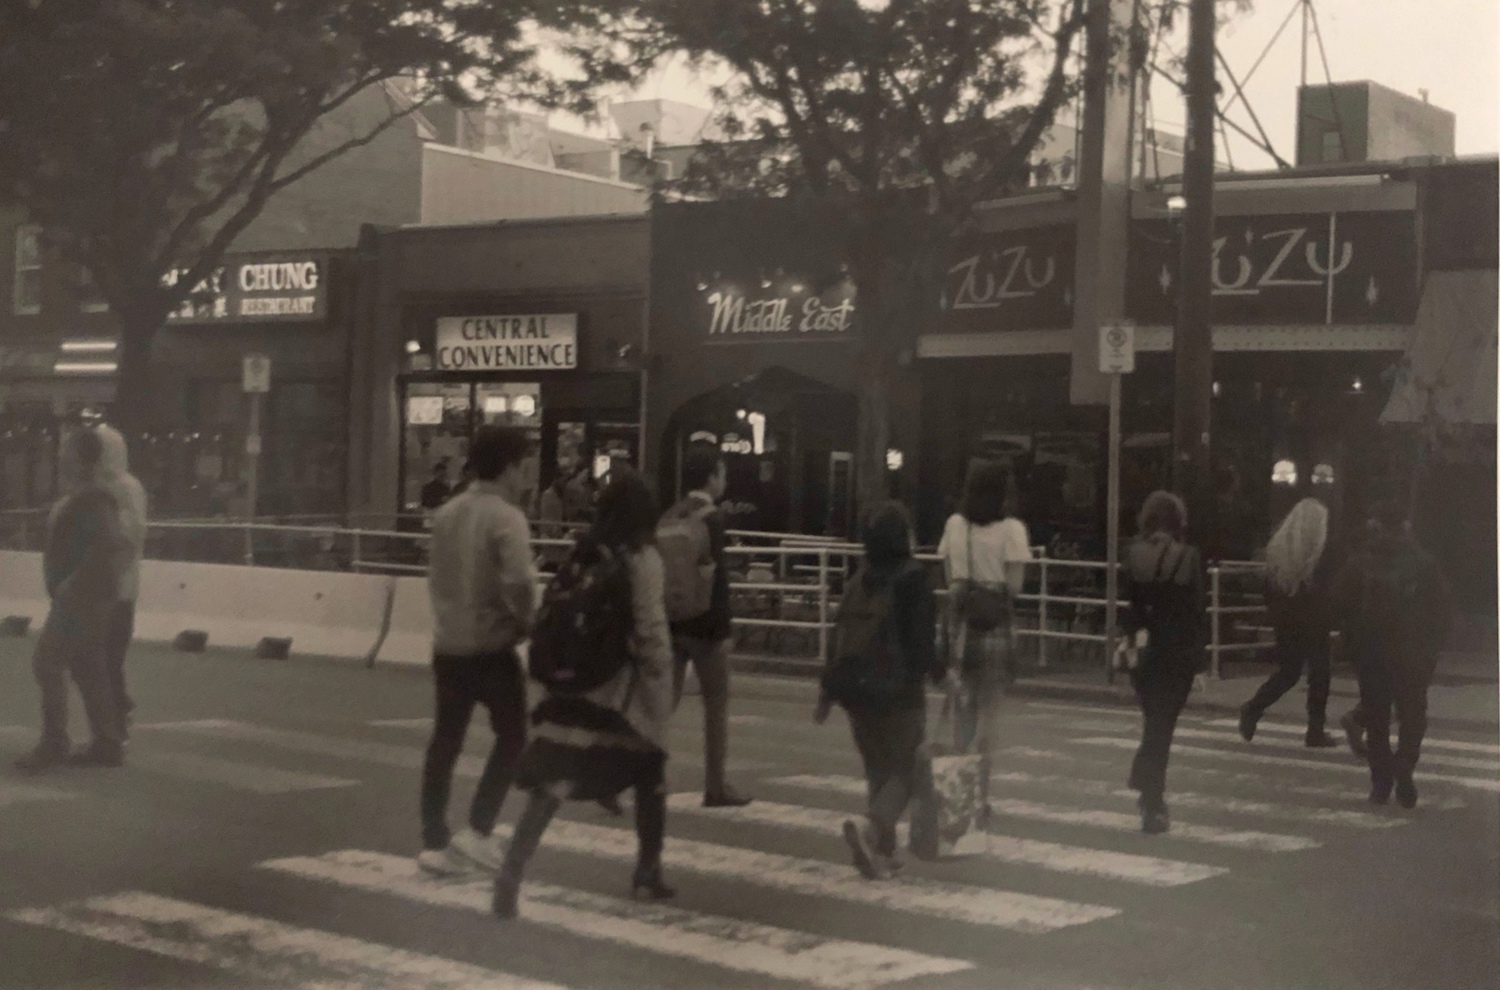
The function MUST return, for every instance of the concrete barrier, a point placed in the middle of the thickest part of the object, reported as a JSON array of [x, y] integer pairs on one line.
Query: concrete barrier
[[409, 639], [21, 589]]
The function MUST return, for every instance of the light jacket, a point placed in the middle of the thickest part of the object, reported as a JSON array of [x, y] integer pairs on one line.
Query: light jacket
[[481, 579], [130, 496]]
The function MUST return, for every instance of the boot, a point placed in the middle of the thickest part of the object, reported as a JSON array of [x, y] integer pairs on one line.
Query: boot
[[41, 759], [523, 844], [1249, 719], [1354, 733]]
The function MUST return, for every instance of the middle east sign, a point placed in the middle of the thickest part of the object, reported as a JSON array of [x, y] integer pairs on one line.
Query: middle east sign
[[739, 311]]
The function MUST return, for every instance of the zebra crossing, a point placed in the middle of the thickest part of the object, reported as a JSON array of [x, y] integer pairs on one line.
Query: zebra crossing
[[1061, 822]]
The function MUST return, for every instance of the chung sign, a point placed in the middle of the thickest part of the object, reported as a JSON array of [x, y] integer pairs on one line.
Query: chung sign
[[530, 342], [257, 289]]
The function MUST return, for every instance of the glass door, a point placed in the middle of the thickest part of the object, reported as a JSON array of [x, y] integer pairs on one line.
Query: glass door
[[437, 419], [517, 404]]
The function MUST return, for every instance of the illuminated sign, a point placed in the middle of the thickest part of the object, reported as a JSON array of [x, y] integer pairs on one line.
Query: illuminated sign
[[739, 311], [532, 342], [262, 288]]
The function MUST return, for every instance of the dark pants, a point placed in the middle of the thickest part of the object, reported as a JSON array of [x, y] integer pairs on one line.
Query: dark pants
[[72, 643], [1298, 647], [1383, 684], [116, 644], [494, 681], [542, 804], [887, 744], [1161, 695], [710, 659]]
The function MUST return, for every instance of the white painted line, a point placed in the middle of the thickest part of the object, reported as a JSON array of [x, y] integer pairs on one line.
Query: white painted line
[[749, 720], [197, 723], [403, 723], [261, 949], [1428, 742], [1428, 759], [1275, 783], [813, 878], [1055, 706], [13, 793], [745, 946], [1474, 783], [1077, 860], [239, 776], [1121, 822]]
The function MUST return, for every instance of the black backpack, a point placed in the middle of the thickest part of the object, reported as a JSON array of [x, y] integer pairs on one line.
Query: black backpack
[[868, 667], [581, 638]]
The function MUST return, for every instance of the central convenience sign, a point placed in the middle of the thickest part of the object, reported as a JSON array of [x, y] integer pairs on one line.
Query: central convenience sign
[[534, 342]]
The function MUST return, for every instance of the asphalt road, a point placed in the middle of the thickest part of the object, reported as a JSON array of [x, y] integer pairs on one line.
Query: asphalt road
[[263, 831]]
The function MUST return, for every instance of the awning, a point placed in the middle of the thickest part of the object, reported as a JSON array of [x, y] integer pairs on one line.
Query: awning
[[1450, 366]]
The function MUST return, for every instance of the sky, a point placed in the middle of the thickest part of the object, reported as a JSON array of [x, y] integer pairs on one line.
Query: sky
[[1448, 47]]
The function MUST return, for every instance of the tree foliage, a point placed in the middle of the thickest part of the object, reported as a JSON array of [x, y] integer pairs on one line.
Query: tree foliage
[[145, 135]]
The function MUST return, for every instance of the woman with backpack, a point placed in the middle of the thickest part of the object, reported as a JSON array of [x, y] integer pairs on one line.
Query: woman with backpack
[[1163, 628], [985, 549], [603, 617], [1298, 585], [883, 647]]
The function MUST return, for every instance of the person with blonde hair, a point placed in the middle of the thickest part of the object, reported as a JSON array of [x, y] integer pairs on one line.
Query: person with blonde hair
[[1163, 588], [1298, 578]]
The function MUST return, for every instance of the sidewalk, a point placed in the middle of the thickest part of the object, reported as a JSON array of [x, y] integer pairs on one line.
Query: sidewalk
[[1465, 695]]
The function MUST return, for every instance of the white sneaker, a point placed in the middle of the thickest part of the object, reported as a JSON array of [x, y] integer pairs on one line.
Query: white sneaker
[[443, 863], [480, 850]]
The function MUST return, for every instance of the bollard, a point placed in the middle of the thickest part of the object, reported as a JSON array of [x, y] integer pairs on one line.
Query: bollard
[[273, 648], [249, 546], [354, 564], [190, 641]]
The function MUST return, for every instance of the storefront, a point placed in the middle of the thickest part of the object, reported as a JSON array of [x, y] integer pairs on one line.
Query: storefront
[[752, 346], [536, 325]]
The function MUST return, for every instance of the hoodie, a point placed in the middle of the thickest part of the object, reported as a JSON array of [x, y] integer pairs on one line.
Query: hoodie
[[130, 497]]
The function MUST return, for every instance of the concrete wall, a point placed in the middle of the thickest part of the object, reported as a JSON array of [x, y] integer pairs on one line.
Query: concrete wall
[[464, 187]]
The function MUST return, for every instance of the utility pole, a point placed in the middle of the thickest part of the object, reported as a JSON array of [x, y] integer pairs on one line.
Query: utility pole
[[1193, 334]]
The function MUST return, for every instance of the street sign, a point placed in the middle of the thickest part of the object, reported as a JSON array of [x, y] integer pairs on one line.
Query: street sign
[[1117, 348], [257, 373]]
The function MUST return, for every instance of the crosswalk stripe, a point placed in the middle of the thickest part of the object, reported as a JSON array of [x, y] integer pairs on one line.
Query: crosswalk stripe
[[745, 946], [1024, 913], [1123, 822], [263, 949], [403, 723], [1279, 784], [1429, 759], [1079, 860], [240, 776], [1428, 742], [1475, 783], [1056, 706], [13, 793]]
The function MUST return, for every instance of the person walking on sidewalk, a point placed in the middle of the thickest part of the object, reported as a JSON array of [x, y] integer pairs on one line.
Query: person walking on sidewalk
[[1164, 596], [130, 497], [691, 539], [1298, 581], [483, 589], [592, 742], [883, 647], [81, 569], [985, 550], [1394, 607]]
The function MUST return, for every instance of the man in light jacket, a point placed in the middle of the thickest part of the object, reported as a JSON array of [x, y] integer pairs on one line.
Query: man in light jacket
[[130, 499], [482, 584]]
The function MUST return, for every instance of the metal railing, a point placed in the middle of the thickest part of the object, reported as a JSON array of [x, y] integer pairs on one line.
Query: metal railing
[[783, 584]]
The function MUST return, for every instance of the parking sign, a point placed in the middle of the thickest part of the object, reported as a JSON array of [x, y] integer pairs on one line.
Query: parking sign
[[1117, 348]]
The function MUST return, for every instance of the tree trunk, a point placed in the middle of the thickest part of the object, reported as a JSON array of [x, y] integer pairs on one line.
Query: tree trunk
[[132, 412], [876, 371]]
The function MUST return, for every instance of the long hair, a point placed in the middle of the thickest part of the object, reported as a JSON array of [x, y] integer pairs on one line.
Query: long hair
[[887, 536], [1163, 512], [1295, 549], [627, 513], [984, 493]]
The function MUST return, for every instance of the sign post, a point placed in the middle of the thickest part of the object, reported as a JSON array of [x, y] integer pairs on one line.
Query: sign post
[[256, 374], [1116, 358]]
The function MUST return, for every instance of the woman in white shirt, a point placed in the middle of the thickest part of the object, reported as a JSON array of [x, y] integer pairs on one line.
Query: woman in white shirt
[[985, 549]]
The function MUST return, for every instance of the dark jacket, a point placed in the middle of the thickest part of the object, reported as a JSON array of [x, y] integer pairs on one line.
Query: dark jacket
[[1163, 586], [1409, 635], [1308, 610], [914, 616], [714, 625], [79, 564]]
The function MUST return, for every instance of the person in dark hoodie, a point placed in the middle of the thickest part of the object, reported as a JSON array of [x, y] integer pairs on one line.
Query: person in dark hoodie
[[884, 645], [1395, 609], [1298, 577], [81, 570], [1164, 592]]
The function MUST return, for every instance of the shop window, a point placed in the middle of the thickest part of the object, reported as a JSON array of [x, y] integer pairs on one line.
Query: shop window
[[28, 280]]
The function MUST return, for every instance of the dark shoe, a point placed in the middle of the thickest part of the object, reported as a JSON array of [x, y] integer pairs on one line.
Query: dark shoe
[[727, 798], [1354, 735], [1156, 821], [1406, 792], [647, 885], [1248, 721], [98, 756], [41, 759], [1380, 794], [507, 896], [1320, 740], [860, 846]]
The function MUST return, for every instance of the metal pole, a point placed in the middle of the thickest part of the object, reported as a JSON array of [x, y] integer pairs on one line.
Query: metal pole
[[1213, 618], [823, 605], [249, 543], [1041, 615], [357, 555], [1193, 336], [252, 456], [1112, 523]]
